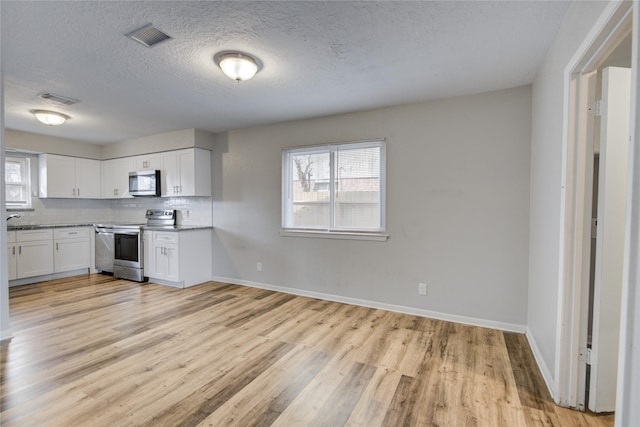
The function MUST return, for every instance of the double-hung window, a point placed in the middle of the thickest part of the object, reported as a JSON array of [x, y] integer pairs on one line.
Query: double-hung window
[[337, 188], [17, 181]]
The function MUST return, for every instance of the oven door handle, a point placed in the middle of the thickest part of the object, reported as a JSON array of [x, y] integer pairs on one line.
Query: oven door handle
[[128, 233]]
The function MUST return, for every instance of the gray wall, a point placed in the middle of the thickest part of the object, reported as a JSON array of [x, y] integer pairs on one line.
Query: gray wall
[[546, 179], [457, 209]]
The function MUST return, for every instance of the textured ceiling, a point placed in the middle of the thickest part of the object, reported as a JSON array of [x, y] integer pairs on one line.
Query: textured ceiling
[[319, 58]]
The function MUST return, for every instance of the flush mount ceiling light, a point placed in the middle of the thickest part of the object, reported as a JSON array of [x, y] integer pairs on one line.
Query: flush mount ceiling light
[[50, 118], [237, 66]]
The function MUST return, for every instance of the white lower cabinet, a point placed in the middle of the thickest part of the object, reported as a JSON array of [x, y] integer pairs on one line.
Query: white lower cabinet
[[35, 253], [12, 252], [178, 258], [43, 252], [165, 260], [72, 249]]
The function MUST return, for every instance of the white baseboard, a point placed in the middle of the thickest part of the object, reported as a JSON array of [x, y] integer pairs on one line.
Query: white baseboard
[[473, 321], [5, 334], [44, 278], [544, 369]]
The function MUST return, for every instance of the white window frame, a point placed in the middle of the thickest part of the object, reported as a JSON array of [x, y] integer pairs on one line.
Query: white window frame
[[378, 234], [25, 183]]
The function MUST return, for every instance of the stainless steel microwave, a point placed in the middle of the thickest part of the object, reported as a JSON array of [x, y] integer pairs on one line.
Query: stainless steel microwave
[[145, 183]]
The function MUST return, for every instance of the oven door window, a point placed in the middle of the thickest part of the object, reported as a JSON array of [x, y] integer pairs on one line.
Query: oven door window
[[126, 247]]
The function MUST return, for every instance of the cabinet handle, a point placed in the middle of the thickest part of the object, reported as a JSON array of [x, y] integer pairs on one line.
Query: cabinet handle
[[14, 250], [56, 246], [19, 250], [78, 191]]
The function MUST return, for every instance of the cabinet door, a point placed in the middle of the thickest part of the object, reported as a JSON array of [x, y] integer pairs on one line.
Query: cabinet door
[[34, 258], [12, 251], [147, 253], [165, 263], [186, 164], [115, 178], [88, 185], [71, 254], [148, 161], [172, 264], [170, 174], [57, 176], [158, 267]]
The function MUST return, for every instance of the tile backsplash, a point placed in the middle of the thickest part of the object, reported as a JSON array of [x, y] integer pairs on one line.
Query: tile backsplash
[[191, 210]]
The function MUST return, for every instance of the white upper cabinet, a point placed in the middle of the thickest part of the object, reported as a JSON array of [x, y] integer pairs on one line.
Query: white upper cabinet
[[183, 173], [186, 173], [69, 177], [115, 177], [147, 161]]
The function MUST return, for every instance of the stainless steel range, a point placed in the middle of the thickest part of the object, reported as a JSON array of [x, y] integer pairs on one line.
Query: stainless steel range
[[128, 259]]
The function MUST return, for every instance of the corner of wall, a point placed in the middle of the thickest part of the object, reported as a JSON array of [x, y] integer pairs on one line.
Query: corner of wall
[[204, 139], [544, 369]]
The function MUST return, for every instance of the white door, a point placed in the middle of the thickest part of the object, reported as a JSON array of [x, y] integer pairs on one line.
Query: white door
[[71, 254], [186, 164], [170, 174], [61, 176], [34, 258], [88, 183], [612, 189], [12, 251]]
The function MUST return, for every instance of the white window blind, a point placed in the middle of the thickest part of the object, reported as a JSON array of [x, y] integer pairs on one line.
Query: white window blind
[[334, 188], [17, 178]]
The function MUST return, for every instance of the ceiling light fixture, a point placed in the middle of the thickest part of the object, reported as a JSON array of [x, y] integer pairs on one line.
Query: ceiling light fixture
[[50, 118], [237, 66]]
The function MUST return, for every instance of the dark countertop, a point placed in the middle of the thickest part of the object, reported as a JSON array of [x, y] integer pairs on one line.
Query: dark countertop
[[144, 227], [42, 226], [176, 227]]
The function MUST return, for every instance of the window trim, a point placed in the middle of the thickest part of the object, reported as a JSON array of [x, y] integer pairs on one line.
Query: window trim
[[26, 182], [377, 234]]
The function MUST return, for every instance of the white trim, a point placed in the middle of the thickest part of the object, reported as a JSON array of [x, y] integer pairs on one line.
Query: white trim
[[335, 235], [628, 390], [45, 277], [5, 334], [544, 369], [603, 36], [179, 285], [465, 320]]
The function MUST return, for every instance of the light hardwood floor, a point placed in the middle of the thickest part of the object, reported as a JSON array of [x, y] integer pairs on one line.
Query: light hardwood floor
[[97, 351]]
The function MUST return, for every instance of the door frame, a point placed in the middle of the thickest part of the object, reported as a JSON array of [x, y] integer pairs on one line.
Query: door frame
[[614, 24]]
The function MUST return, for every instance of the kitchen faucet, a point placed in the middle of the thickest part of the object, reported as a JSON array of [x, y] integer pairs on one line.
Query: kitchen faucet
[[13, 216]]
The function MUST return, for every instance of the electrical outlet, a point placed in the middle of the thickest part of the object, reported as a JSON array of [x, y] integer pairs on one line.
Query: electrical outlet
[[259, 266], [422, 289]]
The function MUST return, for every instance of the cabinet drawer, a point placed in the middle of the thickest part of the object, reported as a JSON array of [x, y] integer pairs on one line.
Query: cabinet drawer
[[70, 233], [11, 236], [33, 235], [163, 237]]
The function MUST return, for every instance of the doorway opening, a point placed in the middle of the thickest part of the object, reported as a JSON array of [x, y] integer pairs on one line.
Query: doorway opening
[[587, 345]]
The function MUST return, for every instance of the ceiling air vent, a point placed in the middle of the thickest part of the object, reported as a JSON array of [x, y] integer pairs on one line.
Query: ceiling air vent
[[148, 35], [59, 98]]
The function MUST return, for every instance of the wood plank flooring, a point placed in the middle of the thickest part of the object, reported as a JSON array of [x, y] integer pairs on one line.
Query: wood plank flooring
[[98, 351]]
